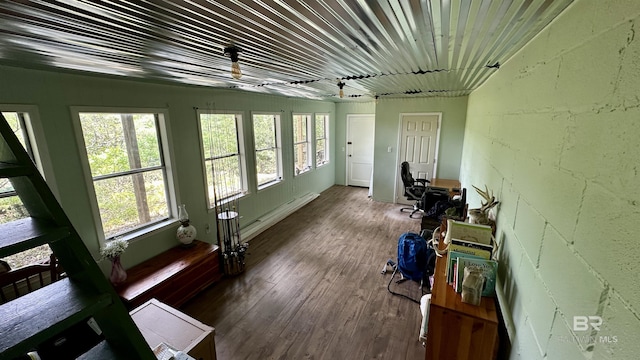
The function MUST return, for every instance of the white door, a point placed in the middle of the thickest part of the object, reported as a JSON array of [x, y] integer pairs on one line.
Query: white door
[[419, 134], [360, 139]]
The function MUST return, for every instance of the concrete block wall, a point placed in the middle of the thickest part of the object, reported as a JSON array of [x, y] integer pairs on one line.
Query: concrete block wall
[[555, 133]]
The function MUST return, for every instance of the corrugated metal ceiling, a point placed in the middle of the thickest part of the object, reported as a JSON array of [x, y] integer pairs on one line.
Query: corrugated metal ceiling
[[295, 48]]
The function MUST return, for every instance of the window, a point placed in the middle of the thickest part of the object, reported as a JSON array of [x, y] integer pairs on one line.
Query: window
[[11, 207], [22, 119], [322, 139], [126, 161], [266, 135], [223, 160], [301, 144]]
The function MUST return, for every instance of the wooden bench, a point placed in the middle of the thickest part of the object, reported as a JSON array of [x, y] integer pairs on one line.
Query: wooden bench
[[172, 277]]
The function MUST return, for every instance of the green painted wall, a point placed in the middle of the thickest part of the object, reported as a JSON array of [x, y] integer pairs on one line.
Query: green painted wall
[[388, 112], [555, 134], [54, 93]]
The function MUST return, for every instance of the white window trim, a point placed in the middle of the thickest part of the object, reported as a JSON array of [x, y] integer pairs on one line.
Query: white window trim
[[37, 140], [327, 139], [310, 159], [171, 179], [242, 152], [278, 135]]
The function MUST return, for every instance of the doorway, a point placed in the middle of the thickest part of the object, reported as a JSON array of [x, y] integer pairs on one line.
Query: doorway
[[418, 145], [360, 140]]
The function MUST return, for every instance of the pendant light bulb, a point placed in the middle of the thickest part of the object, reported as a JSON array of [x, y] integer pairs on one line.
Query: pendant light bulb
[[232, 52], [341, 92], [236, 73]]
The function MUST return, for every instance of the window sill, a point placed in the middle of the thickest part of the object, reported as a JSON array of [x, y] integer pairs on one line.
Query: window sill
[[150, 230], [230, 199], [307, 170], [269, 184]]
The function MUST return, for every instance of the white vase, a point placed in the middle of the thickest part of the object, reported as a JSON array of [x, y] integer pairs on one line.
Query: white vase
[[186, 233]]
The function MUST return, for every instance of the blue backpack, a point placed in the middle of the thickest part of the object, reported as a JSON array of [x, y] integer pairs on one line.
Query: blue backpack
[[416, 260]]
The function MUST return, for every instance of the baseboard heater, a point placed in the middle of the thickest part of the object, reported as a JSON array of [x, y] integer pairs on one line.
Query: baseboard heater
[[263, 223]]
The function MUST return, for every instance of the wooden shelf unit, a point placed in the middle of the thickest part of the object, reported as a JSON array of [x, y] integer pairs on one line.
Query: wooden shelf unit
[[458, 330], [172, 277]]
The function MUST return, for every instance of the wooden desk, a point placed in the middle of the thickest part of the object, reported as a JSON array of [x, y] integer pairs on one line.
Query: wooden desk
[[458, 330], [446, 183], [172, 277]]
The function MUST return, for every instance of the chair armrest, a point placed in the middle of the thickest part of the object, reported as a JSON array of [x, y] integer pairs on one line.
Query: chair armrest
[[423, 181]]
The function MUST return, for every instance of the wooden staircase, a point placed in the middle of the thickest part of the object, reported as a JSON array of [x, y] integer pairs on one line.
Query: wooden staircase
[[35, 319]]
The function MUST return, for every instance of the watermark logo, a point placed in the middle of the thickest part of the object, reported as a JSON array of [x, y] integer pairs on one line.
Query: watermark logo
[[588, 323], [585, 323]]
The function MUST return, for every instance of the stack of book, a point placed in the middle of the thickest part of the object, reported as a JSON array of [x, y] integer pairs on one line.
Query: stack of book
[[470, 245]]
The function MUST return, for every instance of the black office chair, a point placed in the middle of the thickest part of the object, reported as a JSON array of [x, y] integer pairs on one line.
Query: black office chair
[[414, 189], [435, 201]]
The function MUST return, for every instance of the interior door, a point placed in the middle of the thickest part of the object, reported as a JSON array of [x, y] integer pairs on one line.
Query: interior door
[[360, 140], [418, 146]]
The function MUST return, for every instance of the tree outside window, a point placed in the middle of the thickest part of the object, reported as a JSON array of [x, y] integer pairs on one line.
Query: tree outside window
[[221, 148], [322, 139], [265, 135], [127, 168], [301, 143]]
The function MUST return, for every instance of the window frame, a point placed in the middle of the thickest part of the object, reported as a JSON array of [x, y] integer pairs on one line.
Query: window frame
[[37, 148], [307, 142], [165, 144], [326, 139], [278, 148], [22, 125], [34, 132], [241, 155]]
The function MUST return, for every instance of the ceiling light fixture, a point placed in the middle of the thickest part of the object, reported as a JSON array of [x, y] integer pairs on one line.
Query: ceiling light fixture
[[341, 85], [232, 52]]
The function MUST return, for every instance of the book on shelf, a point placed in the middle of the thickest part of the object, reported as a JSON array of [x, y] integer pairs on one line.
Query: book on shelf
[[451, 261], [465, 231], [484, 253], [489, 271], [471, 244]]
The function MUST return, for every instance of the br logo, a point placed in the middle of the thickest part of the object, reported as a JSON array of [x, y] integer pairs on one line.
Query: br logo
[[582, 323]]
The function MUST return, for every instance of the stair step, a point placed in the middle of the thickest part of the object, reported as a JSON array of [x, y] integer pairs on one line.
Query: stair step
[[28, 233], [102, 351], [8, 170], [35, 317]]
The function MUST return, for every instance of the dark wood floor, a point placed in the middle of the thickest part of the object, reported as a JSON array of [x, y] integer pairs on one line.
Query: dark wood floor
[[313, 287]]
